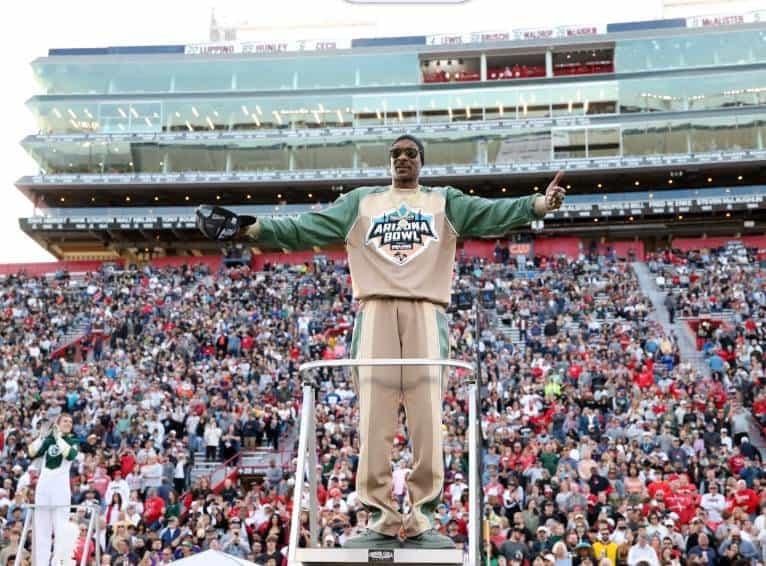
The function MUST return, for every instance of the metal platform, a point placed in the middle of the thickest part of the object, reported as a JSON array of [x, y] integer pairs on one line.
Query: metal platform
[[306, 480], [93, 512], [403, 557]]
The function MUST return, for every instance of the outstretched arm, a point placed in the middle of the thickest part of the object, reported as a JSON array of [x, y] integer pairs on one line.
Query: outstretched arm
[[308, 229], [482, 217]]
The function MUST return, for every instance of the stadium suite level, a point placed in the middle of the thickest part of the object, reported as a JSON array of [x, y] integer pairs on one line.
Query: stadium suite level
[[126, 155]]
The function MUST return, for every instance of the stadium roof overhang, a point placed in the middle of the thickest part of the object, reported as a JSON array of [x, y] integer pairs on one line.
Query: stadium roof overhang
[[584, 176], [125, 236]]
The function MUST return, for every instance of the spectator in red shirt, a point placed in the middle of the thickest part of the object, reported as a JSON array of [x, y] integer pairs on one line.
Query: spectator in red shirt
[[759, 407], [660, 486], [744, 498], [154, 509], [127, 462], [736, 461], [645, 378]]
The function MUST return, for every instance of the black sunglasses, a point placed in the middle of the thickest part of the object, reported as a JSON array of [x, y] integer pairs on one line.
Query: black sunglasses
[[409, 152]]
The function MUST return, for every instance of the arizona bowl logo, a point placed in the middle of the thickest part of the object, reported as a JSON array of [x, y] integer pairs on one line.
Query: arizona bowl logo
[[401, 234]]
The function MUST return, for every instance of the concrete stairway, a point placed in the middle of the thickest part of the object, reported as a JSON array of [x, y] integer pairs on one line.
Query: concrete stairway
[[686, 341], [251, 461], [74, 334]]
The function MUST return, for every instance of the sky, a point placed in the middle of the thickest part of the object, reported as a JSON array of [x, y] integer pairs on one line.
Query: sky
[[34, 27]]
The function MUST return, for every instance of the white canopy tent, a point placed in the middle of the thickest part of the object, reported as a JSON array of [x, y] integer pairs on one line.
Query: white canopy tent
[[212, 557]]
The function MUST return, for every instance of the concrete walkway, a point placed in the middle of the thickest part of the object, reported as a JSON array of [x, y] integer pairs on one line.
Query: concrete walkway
[[649, 288], [686, 342]]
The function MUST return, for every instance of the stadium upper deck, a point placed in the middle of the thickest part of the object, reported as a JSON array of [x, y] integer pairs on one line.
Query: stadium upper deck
[[642, 106]]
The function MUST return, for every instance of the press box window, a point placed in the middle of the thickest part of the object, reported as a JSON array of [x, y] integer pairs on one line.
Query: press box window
[[445, 69], [583, 62], [518, 66]]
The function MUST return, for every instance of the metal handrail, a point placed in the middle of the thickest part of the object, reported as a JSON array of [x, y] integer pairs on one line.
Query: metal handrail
[[307, 449], [209, 478], [370, 362], [224, 466], [377, 362], [92, 531]]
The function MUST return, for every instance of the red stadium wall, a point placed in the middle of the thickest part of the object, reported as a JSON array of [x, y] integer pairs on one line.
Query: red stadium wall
[[695, 324], [570, 247], [624, 249], [212, 261], [42, 268], [294, 258], [477, 248]]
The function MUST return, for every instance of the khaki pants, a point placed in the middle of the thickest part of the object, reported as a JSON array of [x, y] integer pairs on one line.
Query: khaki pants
[[399, 328]]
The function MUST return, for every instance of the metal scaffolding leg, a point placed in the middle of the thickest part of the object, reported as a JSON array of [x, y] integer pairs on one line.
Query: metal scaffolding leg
[[306, 440], [313, 460], [23, 538], [92, 531], [92, 524], [474, 477], [306, 473]]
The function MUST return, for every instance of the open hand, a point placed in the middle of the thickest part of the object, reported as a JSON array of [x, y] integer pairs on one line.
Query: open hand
[[44, 430]]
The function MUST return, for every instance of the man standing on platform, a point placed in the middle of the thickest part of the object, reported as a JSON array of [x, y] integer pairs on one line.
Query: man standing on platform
[[401, 242]]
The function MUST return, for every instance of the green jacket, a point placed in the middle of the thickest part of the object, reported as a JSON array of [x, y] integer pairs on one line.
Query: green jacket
[[53, 456], [400, 242]]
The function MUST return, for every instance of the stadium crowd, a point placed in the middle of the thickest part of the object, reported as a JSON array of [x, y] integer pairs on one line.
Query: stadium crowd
[[602, 446]]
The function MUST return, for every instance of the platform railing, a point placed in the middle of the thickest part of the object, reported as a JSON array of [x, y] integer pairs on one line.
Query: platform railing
[[308, 461], [91, 536]]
